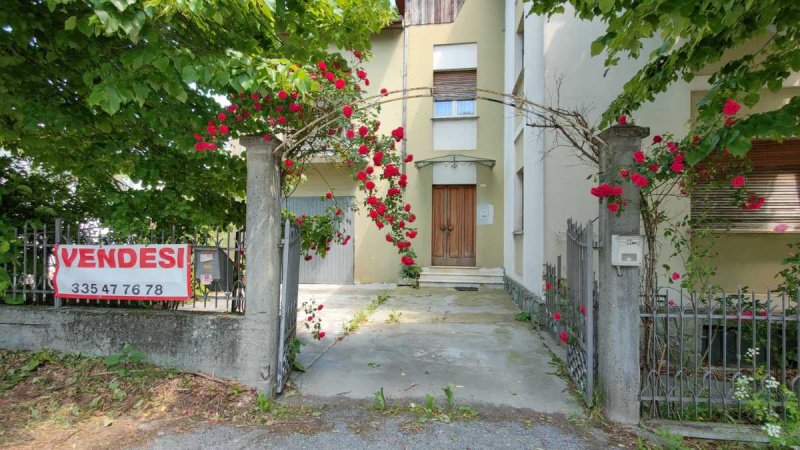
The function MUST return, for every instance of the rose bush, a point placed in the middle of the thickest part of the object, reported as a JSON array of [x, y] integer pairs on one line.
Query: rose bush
[[323, 112]]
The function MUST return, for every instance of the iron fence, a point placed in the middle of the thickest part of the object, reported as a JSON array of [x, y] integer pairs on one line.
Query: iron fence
[[699, 348], [32, 272], [570, 307]]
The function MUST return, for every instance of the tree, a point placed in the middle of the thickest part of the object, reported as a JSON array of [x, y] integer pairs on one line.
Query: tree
[[111, 91], [691, 35]]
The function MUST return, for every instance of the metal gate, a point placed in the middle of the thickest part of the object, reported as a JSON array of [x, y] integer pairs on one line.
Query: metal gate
[[570, 309], [337, 266], [581, 302], [290, 263]]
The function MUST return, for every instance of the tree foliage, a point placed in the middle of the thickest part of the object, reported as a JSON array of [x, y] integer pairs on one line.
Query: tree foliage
[[693, 35], [111, 91]]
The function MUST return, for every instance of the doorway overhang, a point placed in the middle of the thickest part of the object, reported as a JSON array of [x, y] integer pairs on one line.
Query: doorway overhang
[[455, 160]]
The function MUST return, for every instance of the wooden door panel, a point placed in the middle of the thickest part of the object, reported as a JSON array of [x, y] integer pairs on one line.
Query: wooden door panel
[[438, 244], [454, 210]]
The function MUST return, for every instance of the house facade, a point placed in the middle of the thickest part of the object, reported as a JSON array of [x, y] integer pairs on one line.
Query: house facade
[[491, 193]]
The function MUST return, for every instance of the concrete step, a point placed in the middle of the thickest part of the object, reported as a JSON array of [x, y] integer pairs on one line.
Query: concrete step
[[461, 277]]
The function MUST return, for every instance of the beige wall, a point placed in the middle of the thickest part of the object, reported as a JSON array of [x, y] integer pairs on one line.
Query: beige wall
[[479, 21], [750, 259]]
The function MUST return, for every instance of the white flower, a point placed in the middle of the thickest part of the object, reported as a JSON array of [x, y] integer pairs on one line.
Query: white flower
[[771, 383], [752, 353], [773, 430]]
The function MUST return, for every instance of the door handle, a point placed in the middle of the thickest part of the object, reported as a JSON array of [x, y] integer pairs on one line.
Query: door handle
[[442, 228], [449, 228]]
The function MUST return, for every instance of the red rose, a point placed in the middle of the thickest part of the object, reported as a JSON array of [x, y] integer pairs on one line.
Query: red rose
[[638, 156], [389, 238], [329, 195], [308, 257], [338, 212], [310, 318], [411, 218], [361, 74], [347, 111], [372, 200], [397, 134], [653, 167], [384, 92], [738, 181], [330, 76], [340, 84], [361, 176], [730, 121], [212, 129], [223, 129], [622, 120], [369, 170], [322, 66], [377, 158], [362, 130], [363, 149], [731, 107], [294, 107], [350, 134], [407, 208], [657, 139], [319, 308], [282, 120], [613, 207], [676, 276], [624, 173], [409, 158], [369, 185], [266, 137], [583, 310], [288, 163], [639, 180], [677, 167], [556, 316], [321, 335], [672, 147], [221, 117], [564, 337], [282, 94], [255, 96]]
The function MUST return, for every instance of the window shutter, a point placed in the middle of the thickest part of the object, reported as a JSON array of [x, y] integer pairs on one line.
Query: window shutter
[[454, 85], [775, 175]]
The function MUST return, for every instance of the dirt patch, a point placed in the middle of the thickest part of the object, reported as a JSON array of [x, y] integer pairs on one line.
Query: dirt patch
[[52, 400]]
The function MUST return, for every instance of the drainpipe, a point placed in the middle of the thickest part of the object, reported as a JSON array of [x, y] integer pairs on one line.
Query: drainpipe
[[403, 149], [509, 160]]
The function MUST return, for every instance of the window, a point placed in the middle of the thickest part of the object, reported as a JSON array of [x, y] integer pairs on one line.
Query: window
[[519, 201], [775, 175], [454, 93]]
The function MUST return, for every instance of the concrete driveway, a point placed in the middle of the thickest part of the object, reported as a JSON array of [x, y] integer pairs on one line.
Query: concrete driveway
[[443, 336]]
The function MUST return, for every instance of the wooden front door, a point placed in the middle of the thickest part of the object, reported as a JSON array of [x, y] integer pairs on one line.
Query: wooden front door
[[453, 226]]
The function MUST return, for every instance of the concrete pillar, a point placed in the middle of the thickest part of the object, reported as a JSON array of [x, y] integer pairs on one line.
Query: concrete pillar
[[258, 349], [618, 305]]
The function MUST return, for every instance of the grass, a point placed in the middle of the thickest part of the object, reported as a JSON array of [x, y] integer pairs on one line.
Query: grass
[[394, 317], [362, 315]]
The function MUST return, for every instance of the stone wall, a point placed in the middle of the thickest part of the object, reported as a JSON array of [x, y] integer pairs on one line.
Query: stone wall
[[192, 341]]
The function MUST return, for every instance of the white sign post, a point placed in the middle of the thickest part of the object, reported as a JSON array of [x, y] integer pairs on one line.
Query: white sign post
[[123, 272]]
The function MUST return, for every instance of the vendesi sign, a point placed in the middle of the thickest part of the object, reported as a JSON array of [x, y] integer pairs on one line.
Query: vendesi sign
[[123, 272]]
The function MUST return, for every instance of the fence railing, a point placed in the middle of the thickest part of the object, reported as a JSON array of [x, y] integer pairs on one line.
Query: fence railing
[[704, 355], [32, 272], [569, 307]]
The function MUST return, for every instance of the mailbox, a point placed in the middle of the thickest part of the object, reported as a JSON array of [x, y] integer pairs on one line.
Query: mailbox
[[626, 250], [213, 268]]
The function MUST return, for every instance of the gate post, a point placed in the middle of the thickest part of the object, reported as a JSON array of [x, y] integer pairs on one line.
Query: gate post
[[259, 336], [618, 305]]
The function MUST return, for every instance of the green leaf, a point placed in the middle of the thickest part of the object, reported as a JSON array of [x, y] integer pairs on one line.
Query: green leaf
[[606, 5], [70, 23], [598, 46], [112, 360]]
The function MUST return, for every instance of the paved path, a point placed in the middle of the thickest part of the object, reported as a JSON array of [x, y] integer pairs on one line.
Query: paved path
[[467, 339]]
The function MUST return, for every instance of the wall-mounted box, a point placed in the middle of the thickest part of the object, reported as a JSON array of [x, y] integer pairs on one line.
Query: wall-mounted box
[[626, 250]]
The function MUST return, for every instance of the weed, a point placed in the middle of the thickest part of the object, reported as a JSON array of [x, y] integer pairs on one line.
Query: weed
[[263, 404], [523, 316], [119, 362], [449, 391], [373, 365], [380, 400], [394, 317], [362, 315], [294, 349]]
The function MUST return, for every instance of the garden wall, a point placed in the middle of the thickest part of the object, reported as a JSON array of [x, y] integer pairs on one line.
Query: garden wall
[[191, 341]]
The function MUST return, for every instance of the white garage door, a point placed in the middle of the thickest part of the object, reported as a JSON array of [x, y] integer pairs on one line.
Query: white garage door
[[337, 266]]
